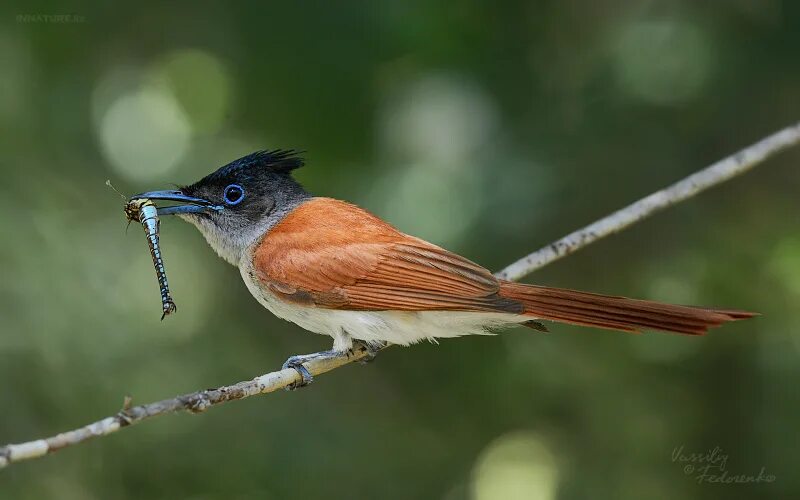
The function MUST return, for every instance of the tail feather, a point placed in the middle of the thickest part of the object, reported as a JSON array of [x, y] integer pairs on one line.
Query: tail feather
[[616, 313]]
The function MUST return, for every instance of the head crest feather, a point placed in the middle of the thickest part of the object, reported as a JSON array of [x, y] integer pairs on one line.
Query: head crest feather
[[279, 161]]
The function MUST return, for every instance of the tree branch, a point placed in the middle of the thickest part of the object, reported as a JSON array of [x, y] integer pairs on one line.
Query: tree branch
[[717, 173], [200, 401], [195, 402]]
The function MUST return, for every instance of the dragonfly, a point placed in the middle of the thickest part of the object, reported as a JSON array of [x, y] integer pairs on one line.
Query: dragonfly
[[143, 210]]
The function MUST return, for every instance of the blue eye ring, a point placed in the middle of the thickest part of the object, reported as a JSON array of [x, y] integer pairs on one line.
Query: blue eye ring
[[233, 194]]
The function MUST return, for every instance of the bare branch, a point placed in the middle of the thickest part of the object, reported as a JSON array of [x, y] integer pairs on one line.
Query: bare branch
[[200, 401], [717, 173], [195, 402]]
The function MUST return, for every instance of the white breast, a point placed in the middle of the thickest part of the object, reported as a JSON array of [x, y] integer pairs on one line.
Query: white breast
[[396, 327]]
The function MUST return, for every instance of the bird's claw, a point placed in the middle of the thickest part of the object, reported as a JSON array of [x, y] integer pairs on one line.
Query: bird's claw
[[296, 362]]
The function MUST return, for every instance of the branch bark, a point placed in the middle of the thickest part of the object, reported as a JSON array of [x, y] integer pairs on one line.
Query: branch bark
[[197, 402]]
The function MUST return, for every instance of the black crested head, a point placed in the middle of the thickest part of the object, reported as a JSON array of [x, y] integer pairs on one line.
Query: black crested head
[[240, 202], [251, 188], [278, 161]]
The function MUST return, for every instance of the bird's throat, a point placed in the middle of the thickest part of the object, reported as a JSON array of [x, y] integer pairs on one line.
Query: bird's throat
[[231, 239]]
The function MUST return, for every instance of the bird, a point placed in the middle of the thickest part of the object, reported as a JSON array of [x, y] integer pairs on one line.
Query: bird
[[338, 270]]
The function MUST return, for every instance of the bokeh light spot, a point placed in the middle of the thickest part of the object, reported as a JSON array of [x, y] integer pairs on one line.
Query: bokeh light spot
[[515, 466], [662, 62], [432, 132], [144, 134], [200, 83], [785, 264], [428, 201], [439, 118]]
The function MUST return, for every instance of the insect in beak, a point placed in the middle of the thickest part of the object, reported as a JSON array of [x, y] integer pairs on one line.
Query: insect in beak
[[145, 211], [191, 205]]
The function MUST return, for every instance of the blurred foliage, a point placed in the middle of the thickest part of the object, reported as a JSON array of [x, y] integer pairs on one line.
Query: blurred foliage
[[490, 128]]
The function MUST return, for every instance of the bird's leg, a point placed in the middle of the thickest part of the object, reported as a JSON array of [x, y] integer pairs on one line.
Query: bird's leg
[[344, 342], [297, 361], [371, 348]]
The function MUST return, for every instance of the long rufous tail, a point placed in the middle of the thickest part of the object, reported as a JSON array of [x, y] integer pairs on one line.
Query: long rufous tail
[[616, 313]]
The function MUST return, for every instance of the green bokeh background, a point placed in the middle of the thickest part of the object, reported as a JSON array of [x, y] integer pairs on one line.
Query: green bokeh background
[[489, 128]]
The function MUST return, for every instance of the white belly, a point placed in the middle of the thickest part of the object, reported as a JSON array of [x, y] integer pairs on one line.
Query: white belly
[[396, 327]]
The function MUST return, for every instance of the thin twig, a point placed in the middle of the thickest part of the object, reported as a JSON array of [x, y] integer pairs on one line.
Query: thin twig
[[200, 401], [717, 173], [195, 402]]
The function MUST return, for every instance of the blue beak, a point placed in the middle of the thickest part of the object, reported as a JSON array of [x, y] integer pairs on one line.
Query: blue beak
[[192, 205]]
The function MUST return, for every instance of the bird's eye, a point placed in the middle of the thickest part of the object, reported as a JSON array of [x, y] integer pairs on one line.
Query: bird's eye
[[233, 194]]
